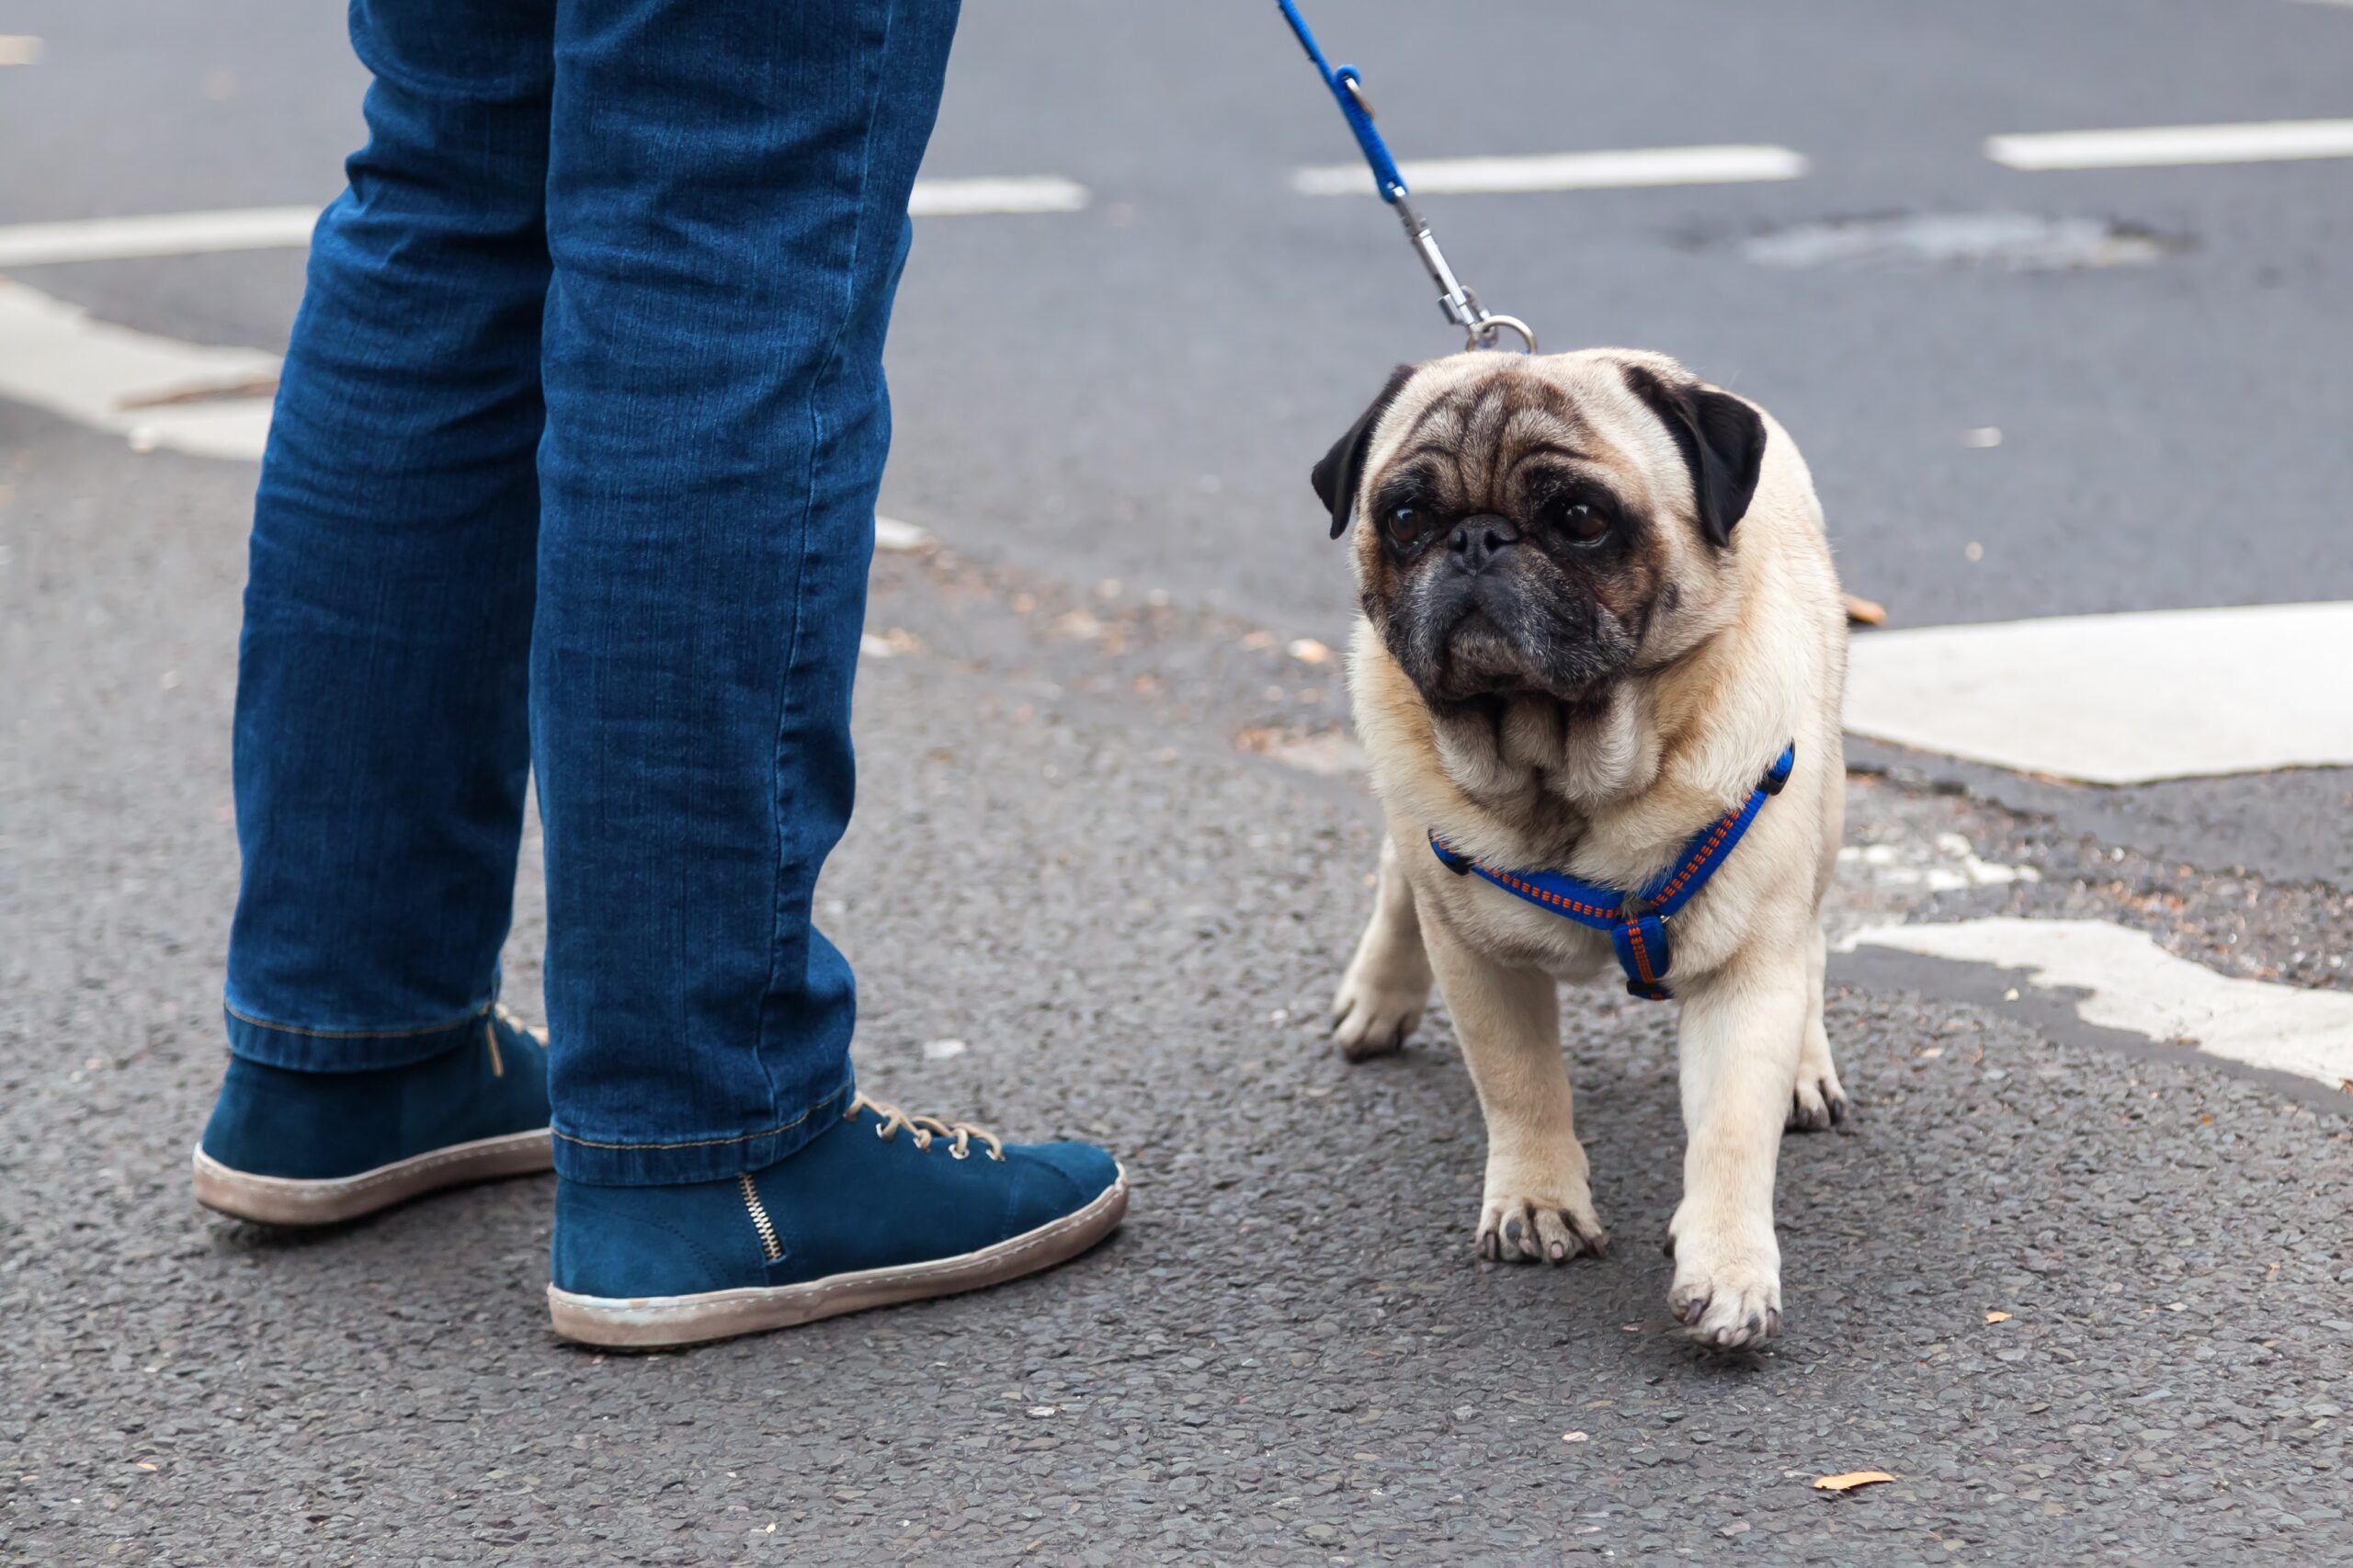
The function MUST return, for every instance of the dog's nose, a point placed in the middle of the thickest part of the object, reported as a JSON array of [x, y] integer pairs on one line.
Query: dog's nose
[[1478, 539]]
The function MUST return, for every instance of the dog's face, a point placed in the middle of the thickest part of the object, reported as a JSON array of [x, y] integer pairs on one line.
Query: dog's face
[[1543, 526]]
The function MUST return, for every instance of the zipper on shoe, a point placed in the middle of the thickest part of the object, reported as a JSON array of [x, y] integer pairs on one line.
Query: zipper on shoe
[[770, 1248]]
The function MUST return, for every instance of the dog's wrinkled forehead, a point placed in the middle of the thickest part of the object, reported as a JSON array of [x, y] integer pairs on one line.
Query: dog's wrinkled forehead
[[1468, 428]]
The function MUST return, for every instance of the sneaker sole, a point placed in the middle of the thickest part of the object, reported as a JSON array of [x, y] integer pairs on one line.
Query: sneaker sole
[[646, 1322], [287, 1200]]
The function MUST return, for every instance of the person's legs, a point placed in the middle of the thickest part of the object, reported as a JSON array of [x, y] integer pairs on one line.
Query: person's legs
[[727, 198], [382, 740]]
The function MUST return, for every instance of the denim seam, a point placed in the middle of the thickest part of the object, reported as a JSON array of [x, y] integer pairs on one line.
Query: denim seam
[[356, 1034], [785, 710], [713, 1142]]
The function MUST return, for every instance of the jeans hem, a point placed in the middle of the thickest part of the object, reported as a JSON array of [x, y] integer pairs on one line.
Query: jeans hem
[[608, 1162], [303, 1050]]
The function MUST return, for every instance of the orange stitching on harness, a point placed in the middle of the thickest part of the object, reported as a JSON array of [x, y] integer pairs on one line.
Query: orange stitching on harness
[[1545, 895], [1707, 852], [1641, 954]]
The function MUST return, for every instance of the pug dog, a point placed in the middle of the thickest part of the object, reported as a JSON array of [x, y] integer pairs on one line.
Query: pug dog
[[1597, 604]]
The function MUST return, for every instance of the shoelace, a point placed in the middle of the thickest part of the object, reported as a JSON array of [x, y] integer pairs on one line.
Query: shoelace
[[926, 1128]]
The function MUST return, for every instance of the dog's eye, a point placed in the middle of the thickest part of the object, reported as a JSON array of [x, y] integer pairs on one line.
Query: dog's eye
[[1407, 525], [1581, 521]]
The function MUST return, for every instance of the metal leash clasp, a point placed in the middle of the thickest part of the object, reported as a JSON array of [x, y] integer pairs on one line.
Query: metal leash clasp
[[1482, 328]]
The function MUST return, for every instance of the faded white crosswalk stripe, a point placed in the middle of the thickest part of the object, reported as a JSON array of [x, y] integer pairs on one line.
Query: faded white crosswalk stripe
[[281, 228], [169, 233], [977, 198], [1723, 165], [2160, 145]]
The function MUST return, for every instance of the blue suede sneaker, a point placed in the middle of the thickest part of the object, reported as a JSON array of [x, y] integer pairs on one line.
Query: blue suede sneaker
[[880, 1208], [286, 1148]]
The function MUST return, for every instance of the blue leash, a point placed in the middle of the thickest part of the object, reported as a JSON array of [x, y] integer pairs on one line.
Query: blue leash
[[1636, 922], [1482, 328]]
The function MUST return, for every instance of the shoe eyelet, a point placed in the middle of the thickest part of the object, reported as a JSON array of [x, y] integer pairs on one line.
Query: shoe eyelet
[[882, 1132], [955, 1152], [997, 1157]]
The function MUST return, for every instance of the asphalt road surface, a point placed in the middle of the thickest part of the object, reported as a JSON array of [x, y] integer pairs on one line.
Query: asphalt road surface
[[2081, 1286]]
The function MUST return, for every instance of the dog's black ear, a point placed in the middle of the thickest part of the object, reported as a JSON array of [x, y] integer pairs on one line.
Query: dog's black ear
[[1722, 441], [1335, 476]]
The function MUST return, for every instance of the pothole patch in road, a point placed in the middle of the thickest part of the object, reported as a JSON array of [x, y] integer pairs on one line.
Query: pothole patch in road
[[2004, 241]]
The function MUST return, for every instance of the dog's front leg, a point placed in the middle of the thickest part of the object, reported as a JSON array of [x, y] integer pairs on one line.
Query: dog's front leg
[[1538, 1205], [1388, 983], [1740, 1040]]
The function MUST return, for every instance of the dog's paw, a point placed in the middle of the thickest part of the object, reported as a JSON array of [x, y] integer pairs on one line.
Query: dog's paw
[[1515, 1228], [1373, 1013], [1726, 1296], [1817, 1104], [1819, 1101]]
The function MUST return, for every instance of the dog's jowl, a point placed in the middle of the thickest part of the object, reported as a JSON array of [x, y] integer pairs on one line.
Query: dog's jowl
[[1598, 610]]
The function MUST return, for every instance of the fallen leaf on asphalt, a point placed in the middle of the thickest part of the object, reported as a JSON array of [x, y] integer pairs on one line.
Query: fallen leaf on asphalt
[[145, 1465], [1997, 1317], [1308, 651], [1865, 612], [1851, 1480], [1257, 641], [1573, 1436]]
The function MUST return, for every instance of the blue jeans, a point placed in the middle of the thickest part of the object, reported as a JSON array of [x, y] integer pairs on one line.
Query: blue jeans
[[572, 473]]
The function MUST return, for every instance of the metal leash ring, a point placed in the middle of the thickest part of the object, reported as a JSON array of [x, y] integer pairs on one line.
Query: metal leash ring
[[1483, 334]]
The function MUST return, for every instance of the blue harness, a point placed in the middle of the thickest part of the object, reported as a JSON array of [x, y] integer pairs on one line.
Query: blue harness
[[1636, 922]]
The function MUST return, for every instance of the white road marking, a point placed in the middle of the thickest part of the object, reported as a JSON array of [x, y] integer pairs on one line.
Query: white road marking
[[2117, 698], [2130, 982], [169, 233], [19, 48], [970, 197], [289, 228], [2156, 145], [1565, 171], [150, 389]]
